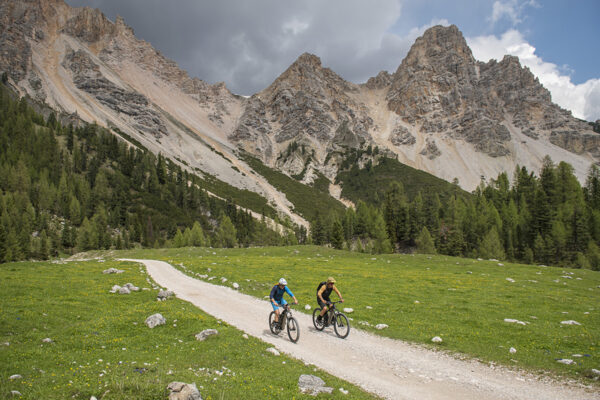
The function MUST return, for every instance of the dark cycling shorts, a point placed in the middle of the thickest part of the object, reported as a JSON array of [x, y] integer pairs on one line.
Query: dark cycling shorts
[[322, 304]]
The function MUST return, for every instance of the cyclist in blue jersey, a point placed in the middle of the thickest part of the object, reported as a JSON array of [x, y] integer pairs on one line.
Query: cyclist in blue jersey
[[277, 299]]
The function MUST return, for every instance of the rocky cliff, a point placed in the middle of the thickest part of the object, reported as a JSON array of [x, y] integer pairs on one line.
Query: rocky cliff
[[441, 111]]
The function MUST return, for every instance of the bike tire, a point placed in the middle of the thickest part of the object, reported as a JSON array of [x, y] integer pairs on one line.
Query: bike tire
[[316, 313], [293, 330], [274, 328], [341, 325]]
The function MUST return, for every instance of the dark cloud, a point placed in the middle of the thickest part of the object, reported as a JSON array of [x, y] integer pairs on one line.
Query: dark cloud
[[247, 44]]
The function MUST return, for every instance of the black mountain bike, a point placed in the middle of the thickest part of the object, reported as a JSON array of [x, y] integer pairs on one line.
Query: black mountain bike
[[287, 321], [340, 323]]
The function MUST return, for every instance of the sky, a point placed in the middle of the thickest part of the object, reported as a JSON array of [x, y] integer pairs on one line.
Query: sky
[[248, 43]]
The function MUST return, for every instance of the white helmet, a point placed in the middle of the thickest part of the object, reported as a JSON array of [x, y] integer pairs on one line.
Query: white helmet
[[283, 282]]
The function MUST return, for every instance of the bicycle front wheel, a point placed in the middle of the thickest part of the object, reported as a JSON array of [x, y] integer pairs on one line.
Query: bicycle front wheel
[[341, 325], [318, 325], [293, 329]]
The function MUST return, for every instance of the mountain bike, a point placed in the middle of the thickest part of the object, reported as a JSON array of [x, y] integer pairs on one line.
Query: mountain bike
[[340, 322], [287, 321]]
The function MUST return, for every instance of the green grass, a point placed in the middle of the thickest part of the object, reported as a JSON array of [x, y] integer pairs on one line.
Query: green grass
[[102, 347], [463, 301], [307, 200]]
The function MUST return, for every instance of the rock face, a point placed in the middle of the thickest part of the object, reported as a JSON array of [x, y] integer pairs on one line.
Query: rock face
[[441, 111]]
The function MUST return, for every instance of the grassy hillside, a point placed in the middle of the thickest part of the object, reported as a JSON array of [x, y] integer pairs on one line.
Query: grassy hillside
[[307, 200], [464, 301], [101, 346], [369, 184]]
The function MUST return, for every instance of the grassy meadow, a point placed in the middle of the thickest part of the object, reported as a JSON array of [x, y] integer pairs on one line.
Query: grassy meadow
[[101, 346], [464, 301]]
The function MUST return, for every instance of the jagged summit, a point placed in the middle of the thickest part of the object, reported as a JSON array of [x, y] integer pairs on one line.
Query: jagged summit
[[441, 111]]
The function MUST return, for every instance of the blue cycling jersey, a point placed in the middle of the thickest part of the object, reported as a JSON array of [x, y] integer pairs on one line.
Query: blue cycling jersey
[[277, 293]]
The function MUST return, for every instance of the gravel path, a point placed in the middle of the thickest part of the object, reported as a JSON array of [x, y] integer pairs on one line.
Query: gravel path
[[389, 368]]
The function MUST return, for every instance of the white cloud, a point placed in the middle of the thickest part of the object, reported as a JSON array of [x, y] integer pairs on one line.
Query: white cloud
[[508, 9], [583, 100]]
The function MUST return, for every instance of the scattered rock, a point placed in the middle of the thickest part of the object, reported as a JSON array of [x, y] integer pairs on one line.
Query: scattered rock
[[381, 326], [47, 340], [235, 285], [165, 294], [115, 289], [132, 287], [124, 290], [510, 280], [514, 321], [113, 271], [369, 308], [155, 320], [223, 280], [93, 398], [436, 339], [6, 344], [16, 376], [570, 322], [343, 391], [313, 385], [245, 336], [307, 307], [348, 310], [512, 350], [273, 351], [183, 391], [15, 393], [595, 371], [206, 333], [566, 361]]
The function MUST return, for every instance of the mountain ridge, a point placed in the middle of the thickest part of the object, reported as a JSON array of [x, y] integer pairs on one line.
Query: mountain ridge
[[441, 111]]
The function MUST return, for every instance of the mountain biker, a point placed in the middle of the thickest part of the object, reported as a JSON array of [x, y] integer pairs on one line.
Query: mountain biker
[[323, 291], [277, 299]]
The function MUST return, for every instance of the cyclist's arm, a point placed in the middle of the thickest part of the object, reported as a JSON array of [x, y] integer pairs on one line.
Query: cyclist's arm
[[338, 293], [288, 291]]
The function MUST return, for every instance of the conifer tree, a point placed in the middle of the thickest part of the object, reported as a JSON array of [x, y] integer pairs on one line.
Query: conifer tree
[[337, 235], [491, 246], [424, 241]]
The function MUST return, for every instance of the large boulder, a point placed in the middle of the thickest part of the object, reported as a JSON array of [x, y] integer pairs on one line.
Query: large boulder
[[313, 385], [155, 320], [183, 391], [206, 333], [165, 294]]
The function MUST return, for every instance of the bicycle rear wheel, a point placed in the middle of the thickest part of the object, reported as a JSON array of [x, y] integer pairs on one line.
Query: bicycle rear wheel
[[274, 327], [341, 325], [318, 326], [293, 330]]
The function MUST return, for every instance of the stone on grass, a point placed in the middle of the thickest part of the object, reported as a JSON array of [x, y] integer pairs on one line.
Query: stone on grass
[[206, 333], [15, 393], [93, 398], [514, 321], [155, 320], [313, 385], [47, 340], [344, 391], [570, 322], [165, 294], [132, 287], [381, 326], [436, 339], [510, 280], [245, 336], [566, 361], [348, 310], [112, 271], [512, 350], [595, 371], [273, 351], [115, 289], [307, 307], [16, 376], [235, 285], [124, 290], [183, 391]]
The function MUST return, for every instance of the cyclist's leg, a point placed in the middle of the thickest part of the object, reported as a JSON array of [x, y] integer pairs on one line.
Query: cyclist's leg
[[276, 309], [323, 306]]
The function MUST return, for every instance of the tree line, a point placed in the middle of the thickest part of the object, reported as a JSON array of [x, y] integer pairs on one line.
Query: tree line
[[65, 189], [547, 219]]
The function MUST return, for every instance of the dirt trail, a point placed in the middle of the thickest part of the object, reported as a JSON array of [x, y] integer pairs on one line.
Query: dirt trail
[[388, 368]]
